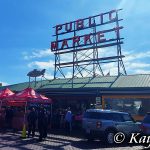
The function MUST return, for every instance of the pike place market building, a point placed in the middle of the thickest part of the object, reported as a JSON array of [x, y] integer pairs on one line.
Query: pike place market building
[[130, 93]]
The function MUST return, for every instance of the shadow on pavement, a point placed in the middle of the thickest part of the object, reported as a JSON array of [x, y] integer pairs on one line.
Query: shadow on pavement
[[74, 133], [57, 141], [84, 144], [10, 140]]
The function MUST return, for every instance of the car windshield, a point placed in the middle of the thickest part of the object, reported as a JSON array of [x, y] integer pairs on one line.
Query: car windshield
[[97, 115], [127, 117], [146, 119], [122, 117]]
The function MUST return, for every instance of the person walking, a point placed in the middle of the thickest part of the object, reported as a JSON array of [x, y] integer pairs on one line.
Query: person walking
[[9, 117], [68, 121], [42, 123], [31, 118]]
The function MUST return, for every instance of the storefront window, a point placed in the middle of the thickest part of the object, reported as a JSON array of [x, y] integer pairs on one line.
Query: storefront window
[[133, 106]]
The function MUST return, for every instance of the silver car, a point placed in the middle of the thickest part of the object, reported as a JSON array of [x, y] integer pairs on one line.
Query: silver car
[[104, 124]]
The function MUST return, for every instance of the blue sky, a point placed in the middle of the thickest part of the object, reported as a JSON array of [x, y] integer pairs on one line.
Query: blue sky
[[26, 32]]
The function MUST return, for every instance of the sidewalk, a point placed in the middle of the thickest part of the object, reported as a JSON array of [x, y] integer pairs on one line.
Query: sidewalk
[[13, 141]]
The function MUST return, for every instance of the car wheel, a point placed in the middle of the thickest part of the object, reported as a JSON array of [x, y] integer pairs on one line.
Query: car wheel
[[110, 137], [88, 136]]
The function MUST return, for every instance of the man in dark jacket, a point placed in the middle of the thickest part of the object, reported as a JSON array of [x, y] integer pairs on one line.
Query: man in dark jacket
[[9, 117], [32, 117], [42, 123]]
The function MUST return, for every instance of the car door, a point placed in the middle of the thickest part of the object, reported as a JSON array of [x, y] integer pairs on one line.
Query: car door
[[120, 124], [132, 125], [89, 121]]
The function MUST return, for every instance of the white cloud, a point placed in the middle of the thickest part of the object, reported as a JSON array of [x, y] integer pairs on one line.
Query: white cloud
[[4, 83], [48, 76], [128, 5], [103, 52], [37, 54], [132, 62], [41, 64], [137, 56], [142, 71], [49, 66], [137, 65], [66, 57], [69, 75]]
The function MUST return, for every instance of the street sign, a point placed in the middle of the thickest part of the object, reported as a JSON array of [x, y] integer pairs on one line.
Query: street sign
[[98, 101]]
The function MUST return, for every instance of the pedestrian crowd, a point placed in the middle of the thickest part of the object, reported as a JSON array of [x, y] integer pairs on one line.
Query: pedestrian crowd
[[41, 119], [40, 116]]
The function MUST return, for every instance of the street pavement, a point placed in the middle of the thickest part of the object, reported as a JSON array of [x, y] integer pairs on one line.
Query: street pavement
[[13, 141]]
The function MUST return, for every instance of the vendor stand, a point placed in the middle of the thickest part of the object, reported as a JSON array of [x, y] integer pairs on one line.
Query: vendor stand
[[22, 100], [3, 95]]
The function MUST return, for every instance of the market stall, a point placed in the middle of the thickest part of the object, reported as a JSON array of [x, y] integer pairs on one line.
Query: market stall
[[3, 95], [22, 101]]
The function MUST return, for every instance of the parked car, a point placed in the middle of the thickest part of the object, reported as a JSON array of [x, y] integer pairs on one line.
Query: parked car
[[104, 124], [145, 125]]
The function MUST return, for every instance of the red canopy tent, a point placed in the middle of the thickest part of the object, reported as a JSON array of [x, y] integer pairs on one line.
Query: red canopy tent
[[27, 96], [4, 94]]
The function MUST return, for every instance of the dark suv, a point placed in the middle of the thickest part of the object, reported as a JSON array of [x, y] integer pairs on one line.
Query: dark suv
[[104, 124], [145, 125]]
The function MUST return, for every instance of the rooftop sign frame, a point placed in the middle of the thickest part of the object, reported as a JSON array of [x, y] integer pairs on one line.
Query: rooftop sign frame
[[74, 37]]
